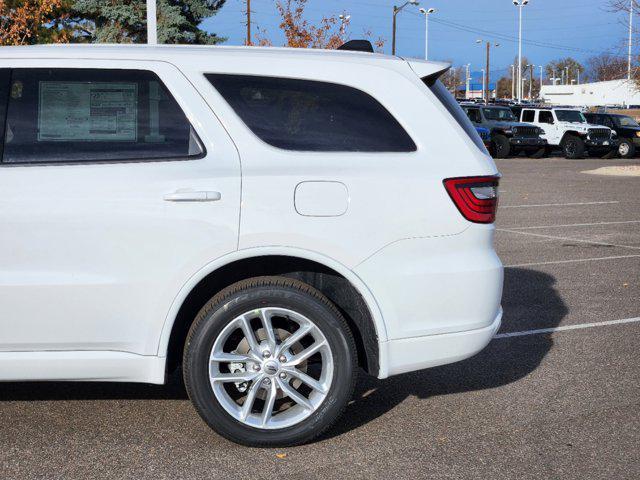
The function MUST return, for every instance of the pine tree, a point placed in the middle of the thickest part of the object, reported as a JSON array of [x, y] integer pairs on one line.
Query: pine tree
[[124, 21]]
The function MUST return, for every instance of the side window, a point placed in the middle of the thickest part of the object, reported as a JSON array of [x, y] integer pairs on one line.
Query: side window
[[306, 115], [528, 115], [606, 121], [5, 78], [93, 115], [545, 116], [474, 115]]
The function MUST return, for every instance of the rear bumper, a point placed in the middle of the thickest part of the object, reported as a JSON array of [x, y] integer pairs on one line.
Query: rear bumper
[[432, 290], [410, 354]]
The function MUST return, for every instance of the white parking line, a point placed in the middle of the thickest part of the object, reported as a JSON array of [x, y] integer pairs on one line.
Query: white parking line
[[567, 327], [568, 239], [558, 204], [577, 260], [595, 224]]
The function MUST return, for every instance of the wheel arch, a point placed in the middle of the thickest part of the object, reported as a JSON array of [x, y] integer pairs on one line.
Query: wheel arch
[[341, 285]]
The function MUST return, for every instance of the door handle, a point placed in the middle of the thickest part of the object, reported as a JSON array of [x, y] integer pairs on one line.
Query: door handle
[[193, 196]]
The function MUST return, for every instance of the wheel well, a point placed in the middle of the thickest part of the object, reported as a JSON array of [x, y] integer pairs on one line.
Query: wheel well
[[569, 133], [333, 285]]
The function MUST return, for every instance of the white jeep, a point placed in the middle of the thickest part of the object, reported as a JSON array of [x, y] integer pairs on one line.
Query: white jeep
[[568, 129]]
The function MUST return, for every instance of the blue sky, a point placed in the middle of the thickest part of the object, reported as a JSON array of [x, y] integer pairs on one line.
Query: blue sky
[[556, 28]]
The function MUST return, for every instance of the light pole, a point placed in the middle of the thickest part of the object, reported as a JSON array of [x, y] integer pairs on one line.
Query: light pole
[[487, 66], [631, 5], [578, 71], [540, 77], [513, 81], [426, 13], [396, 10], [520, 4], [530, 67], [152, 30], [468, 84]]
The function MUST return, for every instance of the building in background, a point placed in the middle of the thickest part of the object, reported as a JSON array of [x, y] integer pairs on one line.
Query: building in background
[[613, 92], [475, 87]]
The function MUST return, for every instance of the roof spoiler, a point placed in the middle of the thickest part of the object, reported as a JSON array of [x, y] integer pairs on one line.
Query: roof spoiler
[[357, 46], [428, 71]]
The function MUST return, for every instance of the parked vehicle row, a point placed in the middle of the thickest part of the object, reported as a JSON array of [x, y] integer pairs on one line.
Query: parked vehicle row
[[537, 131]]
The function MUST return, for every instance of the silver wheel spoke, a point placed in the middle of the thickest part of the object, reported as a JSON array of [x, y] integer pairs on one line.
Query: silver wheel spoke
[[251, 397], [298, 358], [233, 377], [294, 337], [231, 357], [294, 395], [245, 326], [312, 382], [265, 318], [272, 392]]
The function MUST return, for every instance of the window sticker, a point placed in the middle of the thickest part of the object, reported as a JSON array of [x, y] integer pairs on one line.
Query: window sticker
[[87, 111]]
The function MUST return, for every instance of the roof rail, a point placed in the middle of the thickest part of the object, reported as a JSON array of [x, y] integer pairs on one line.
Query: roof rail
[[357, 46]]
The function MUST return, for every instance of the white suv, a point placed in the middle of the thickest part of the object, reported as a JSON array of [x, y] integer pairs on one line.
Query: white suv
[[568, 129], [269, 219]]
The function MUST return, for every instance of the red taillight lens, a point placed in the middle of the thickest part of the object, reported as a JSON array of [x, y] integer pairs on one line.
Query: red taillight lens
[[475, 197]]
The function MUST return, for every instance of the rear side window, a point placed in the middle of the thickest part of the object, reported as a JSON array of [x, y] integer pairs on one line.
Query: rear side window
[[306, 115], [528, 115], [474, 115], [89, 115], [447, 100], [545, 116]]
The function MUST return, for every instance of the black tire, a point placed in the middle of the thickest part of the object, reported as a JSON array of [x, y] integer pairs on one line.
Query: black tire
[[501, 146], [261, 292], [626, 149], [573, 147]]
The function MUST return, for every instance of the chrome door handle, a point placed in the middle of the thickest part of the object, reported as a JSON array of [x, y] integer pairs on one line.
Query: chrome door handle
[[191, 196]]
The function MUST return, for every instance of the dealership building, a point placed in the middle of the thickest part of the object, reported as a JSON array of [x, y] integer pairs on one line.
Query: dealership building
[[613, 92]]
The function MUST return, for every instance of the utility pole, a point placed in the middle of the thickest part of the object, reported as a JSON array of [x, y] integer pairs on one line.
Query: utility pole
[[152, 23], [396, 10], [248, 41], [483, 84]]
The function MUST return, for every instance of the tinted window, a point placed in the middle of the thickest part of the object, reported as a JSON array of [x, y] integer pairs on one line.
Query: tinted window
[[625, 121], [545, 116], [474, 115], [500, 114], [5, 77], [528, 115], [572, 116], [307, 115], [82, 115]]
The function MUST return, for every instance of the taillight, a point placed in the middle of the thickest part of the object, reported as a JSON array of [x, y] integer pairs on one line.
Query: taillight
[[475, 197]]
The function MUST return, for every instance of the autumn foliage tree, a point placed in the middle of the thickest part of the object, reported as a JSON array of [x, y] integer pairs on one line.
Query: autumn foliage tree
[[299, 32], [28, 22]]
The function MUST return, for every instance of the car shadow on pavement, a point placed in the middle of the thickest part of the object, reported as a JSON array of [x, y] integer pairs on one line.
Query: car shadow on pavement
[[529, 301]]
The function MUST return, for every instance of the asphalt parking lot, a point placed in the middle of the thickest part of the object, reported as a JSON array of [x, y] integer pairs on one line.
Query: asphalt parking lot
[[561, 404]]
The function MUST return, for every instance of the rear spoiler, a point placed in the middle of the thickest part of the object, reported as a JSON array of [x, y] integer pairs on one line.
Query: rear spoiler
[[428, 71]]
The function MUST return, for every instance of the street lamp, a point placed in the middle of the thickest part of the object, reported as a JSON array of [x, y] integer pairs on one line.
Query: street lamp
[[426, 13], [530, 67], [468, 82], [520, 4], [396, 10], [487, 69], [513, 81]]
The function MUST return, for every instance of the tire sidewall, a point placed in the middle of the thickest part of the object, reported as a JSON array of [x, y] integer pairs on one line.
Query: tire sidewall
[[197, 353], [501, 146], [578, 147]]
